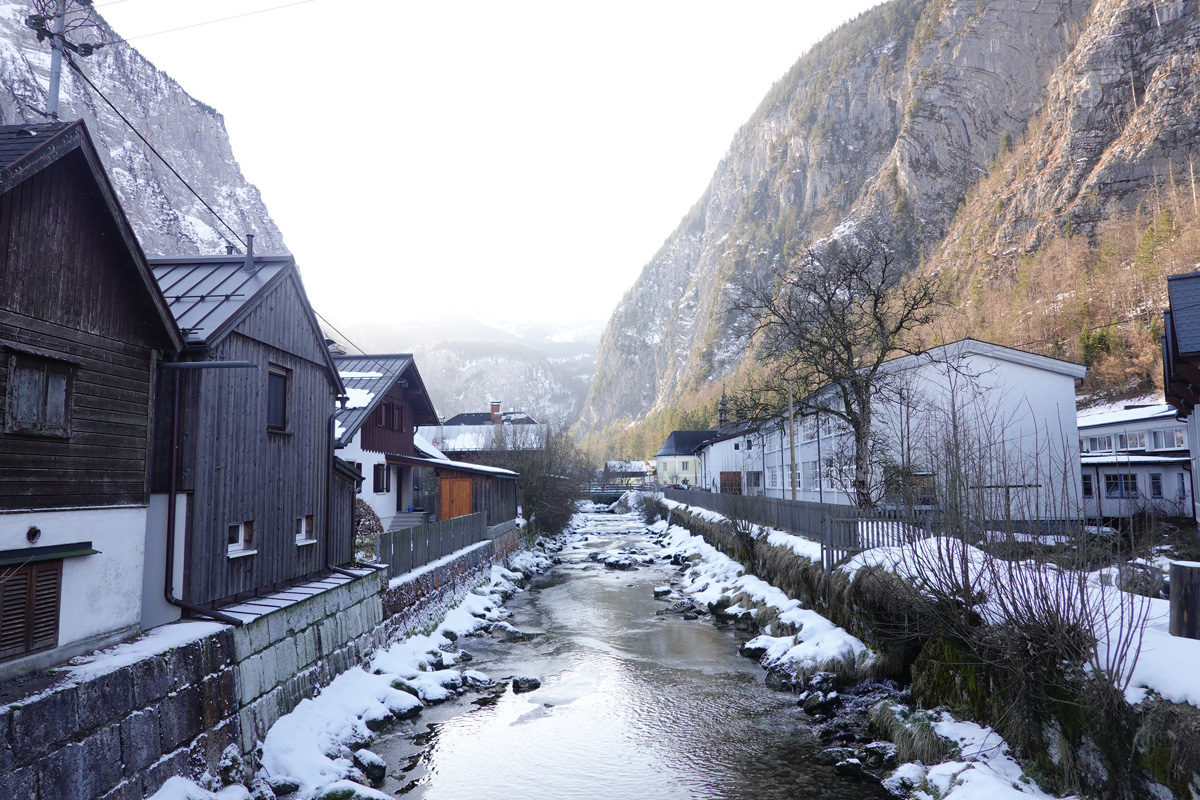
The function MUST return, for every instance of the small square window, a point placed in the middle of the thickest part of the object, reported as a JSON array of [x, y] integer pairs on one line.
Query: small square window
[[305, 531], [241, 538], [39, 397]]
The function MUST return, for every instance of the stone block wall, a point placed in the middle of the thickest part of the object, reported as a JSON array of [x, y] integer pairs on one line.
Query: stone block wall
[[121, 735], [286, 656]]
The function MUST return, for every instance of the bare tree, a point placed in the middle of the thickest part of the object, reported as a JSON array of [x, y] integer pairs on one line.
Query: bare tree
[[829, 321]]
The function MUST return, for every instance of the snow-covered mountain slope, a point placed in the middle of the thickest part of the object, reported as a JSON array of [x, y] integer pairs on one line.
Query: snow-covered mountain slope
[[167, 218]]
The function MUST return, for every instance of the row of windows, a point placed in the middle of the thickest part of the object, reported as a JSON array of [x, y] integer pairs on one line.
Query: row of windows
[[1162, 439], [1124, 486], [807, 479], [240, 540]]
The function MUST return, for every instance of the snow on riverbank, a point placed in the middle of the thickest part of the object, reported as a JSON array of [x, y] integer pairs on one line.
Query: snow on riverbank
[[980, 768], [313, 744], [819, 645]]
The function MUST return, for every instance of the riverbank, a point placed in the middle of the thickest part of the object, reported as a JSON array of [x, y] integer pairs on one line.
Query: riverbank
[[321, 748], [1144, 747]]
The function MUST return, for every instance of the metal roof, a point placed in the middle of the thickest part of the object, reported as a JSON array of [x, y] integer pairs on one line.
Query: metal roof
[[485, 418], [18, 141], [1161, 411], [367, 380], [206, 293], [1184, 295], [684, 443]]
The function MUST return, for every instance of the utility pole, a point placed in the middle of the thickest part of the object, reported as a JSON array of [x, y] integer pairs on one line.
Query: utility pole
[[792, 442], [56, 52]]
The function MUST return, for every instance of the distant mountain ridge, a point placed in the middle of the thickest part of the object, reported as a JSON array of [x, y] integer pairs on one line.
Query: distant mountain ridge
[[898, 119]]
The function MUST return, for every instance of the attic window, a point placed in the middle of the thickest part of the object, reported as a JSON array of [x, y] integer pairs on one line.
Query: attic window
[[39, 397]]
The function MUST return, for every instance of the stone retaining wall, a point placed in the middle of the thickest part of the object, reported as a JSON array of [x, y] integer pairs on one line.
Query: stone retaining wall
[[120, 736]]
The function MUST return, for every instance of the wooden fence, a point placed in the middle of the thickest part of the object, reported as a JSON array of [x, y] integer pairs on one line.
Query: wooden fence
[[842, 530], [407, 549]]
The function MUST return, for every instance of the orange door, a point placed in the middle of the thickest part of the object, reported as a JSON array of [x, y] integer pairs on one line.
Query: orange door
[[456, 497]]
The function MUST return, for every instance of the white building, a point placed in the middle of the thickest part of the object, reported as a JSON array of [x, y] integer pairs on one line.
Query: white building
[[1135, 460], [993, 423]]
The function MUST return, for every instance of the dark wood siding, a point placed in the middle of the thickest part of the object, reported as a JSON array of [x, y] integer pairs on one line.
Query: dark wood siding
[[342, 519], [383, 439], [70, 290], [496, 497], [240, 471]]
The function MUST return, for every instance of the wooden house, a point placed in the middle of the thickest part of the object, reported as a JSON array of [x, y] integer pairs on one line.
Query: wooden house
[[406, 480], [246, 427], [386, 400], [82, 327]]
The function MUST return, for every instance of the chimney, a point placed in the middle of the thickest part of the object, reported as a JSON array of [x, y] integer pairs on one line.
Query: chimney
[[495, 412], [335, 349], [230, 249], [249, 263]]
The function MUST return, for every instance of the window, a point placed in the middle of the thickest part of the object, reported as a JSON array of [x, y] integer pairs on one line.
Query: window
[[241, 538], [683, 466], [1099, 443], [810, 474], [1181, 492], [1088, 489], [1156, 484], [29, 599], [381, 479], [40, 391], [278, 379], [773, 477], [1120, 486], [358, 484], [810, 428], [1170, 439], [737, 446], [306, 533], [1132, 441]]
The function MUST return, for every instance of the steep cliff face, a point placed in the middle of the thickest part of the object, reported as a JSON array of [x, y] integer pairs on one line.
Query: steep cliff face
[[167, 218], [902, 115]]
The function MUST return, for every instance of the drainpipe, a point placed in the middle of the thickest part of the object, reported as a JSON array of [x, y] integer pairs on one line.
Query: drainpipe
[[172, 494]]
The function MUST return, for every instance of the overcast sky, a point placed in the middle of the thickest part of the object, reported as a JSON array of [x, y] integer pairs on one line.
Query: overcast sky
[[504, 160]]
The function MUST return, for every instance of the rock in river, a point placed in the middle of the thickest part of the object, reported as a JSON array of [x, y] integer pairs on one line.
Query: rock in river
[[525, 684]]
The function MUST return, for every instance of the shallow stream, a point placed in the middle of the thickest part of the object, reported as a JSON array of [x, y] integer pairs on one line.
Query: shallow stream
[[632, 704]]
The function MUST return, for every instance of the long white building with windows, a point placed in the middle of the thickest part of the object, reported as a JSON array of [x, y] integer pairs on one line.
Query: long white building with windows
[[1135, 459]]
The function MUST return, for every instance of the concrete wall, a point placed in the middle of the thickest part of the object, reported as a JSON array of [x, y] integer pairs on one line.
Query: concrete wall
[[121, 735]]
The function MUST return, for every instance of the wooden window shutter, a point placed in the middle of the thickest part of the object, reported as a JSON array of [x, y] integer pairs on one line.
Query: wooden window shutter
[[29, 601], [14, 608], [47, 581]]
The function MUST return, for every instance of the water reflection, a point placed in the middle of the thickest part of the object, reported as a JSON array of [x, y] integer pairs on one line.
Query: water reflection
[[631, 704]]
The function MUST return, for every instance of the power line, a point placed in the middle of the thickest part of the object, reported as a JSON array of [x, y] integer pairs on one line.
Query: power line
[[345, 338], [206, 22], [175, 172], [1126, 321]]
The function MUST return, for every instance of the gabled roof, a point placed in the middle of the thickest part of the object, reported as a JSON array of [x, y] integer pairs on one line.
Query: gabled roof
[[210, 295], [26, 150], [485, 418], [684, 443], [368, 379], [997, 351]]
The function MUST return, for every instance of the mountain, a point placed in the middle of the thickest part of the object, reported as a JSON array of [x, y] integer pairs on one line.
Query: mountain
[[166, 216], [538, 368], [975, 133]]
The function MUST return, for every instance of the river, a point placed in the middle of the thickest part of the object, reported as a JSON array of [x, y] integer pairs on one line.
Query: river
[[632, 704]]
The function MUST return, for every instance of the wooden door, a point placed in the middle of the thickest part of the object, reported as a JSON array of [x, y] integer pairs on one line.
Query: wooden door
[[456, 497], [731, 483]]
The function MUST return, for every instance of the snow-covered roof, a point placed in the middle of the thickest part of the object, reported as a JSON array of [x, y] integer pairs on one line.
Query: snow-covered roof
[[368, 379], [996, 351], [1098, 459], [1159, 411], [635, 467]]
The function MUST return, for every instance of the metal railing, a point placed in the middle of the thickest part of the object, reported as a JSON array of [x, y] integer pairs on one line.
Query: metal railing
[[842, 530], [409, 548]]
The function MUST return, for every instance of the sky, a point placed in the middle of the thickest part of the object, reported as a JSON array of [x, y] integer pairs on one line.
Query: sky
[[503, 161]]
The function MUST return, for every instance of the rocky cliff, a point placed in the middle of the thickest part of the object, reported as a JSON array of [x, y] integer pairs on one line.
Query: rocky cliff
[[900, 118], [167, 218]]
